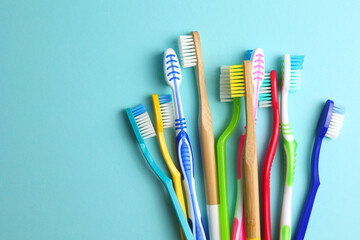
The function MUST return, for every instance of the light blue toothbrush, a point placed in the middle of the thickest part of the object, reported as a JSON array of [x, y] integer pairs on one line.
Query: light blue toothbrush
[[143, 129], [183, 147]]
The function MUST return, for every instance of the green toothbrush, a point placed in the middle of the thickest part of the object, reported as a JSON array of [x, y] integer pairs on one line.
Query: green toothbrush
[[230, 78]]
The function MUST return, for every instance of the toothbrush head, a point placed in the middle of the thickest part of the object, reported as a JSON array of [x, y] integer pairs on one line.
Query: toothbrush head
[[291, 72], [140, 122], [265, 96], [268, 96], [237, 80], [167, 111], [225, 90], [248, 54], [331, 120], [187, 51], [171, 67]]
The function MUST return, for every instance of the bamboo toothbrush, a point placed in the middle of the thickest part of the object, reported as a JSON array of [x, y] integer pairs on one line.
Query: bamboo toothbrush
[[237, 79], [143, 129], [291, 68], [268, 97], [164, 118], [257, 60], [191, 56], [329, 125], [173, 78], [251, 185]]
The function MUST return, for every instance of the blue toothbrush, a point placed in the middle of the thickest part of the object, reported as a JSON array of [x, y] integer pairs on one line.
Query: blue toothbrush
[[183, 147], [143, 129], [329, 125]]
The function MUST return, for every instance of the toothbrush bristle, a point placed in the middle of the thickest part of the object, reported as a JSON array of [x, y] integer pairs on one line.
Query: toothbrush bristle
[[167, 111], [296, 72], [187, 51], [336, 121], [225, 91], [143, 121], [248, 54], [265, 96], [237, 81]]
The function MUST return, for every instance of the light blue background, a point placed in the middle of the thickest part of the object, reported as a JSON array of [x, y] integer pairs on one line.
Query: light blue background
[[69, 164]]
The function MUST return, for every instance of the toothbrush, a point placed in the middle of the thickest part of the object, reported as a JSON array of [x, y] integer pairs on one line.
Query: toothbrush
[[226, 96], [191, 56], [164, 118], [268, 97], [257, 60], [183, 147], [291, 68], [143, 129], [329, 125], [251, 184]]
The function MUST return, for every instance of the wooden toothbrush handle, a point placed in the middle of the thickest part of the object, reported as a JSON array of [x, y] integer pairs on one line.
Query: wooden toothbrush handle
[[206, 131], [251, 184]]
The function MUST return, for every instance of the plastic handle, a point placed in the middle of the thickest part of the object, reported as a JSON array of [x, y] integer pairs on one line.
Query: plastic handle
[[222, 176], [310, 198], [285, 222], [169, 187], [238, 231], [265, 176], [185, 157]]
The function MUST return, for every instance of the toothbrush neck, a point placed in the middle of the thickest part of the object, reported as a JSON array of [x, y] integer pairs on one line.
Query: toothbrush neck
[[284, 107], [177, 102]]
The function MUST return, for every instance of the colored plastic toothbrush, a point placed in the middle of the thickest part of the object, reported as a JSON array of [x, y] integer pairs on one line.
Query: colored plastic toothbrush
[[164, 118], [329, 125], [143, 129], [268, 97], [291, 81], [173, 78], [229, 94]]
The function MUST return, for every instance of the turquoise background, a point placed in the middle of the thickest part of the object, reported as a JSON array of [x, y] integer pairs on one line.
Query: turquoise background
[[70, 167]]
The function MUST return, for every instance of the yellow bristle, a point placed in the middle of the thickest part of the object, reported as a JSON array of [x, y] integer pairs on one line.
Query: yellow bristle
[[237, 81]]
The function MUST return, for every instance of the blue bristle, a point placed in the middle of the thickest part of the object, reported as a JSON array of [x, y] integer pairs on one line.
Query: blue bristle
[[165, 98], [339, 109], [297, 62], [248, 54], [136, 111]]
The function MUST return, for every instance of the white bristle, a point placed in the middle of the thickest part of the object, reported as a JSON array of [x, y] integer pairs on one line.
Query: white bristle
[[187, 51], [145, 126], [336, 122], [225, 91], [167, 114], [265, 96]]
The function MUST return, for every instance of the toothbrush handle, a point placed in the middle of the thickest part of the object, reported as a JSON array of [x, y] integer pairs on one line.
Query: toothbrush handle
[[310, 198], [179, 211], [170, 188], [221, 167], [285, 221], [238, 231], [265, 177], [185, 157]]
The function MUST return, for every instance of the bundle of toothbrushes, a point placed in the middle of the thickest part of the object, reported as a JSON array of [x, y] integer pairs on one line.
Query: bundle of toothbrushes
[[249, 80]]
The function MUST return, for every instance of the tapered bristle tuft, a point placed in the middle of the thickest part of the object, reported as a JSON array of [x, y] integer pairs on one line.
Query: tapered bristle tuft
[[237, 80], [248, 54], [187, 51], [265, 96], [167, 111], [296, 66], [336, 121], [143, 121]]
